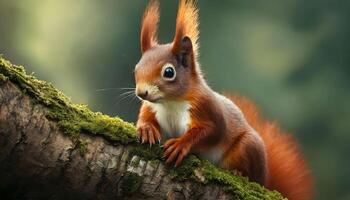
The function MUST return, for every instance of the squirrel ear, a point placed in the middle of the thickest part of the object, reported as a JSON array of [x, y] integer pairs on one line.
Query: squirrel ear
[[149, 26], [186, 45], [184, 51], [186, 32]]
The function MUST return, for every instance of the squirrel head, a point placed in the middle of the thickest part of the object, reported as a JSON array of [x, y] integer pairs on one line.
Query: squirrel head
[[168, 71]]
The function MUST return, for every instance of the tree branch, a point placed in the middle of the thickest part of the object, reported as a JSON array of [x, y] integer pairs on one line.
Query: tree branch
[[51, 148]]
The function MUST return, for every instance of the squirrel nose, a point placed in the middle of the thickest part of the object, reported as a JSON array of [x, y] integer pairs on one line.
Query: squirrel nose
[[142, 93]]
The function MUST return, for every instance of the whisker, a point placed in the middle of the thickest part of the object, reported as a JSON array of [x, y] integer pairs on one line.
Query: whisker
[[108, 89], [129, 92], [134, 101], [126, 93], [123, 98]]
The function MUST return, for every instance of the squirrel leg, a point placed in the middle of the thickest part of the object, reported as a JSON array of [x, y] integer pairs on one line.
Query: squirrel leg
[[176, 149], [148, 129], [248, 157], [148, 133]]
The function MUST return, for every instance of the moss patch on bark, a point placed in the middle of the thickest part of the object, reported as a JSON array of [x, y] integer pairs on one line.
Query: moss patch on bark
[[73, 119], [130, 183]]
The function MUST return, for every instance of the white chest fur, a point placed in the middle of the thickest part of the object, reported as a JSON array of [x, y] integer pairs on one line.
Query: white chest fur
[[173, 117]]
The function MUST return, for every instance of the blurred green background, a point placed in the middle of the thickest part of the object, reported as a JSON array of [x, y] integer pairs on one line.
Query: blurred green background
[[291, 57]]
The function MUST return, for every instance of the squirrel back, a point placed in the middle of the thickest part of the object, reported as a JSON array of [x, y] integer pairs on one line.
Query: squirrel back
[[287, 169]]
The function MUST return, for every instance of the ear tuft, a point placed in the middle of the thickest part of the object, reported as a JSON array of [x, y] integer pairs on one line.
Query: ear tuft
[[149, 26], [186, 26]]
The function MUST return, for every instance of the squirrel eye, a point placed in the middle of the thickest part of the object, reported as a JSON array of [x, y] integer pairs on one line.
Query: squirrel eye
[[168, 72]]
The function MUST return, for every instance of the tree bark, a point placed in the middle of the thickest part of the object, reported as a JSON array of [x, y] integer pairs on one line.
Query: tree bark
[[38, 160]]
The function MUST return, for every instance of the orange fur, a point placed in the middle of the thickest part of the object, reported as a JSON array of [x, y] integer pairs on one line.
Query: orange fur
[[187, 25], [149, 26], [287, 170]]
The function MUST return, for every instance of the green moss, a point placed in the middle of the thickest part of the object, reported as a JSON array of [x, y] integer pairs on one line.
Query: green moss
[[135, 162], [240, 187], [146, 152], [130, 183], [82, 147], [186, 169], [3, 78], [74, 119]]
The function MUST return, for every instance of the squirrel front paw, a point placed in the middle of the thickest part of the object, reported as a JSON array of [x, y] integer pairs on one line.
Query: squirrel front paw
[[176, 150], [147, 133]]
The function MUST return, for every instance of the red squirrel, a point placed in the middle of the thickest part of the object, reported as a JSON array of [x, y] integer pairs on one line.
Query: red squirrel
[[181, 110]]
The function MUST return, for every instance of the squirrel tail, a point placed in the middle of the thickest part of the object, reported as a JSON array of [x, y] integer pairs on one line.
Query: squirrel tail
[[287, 170]]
